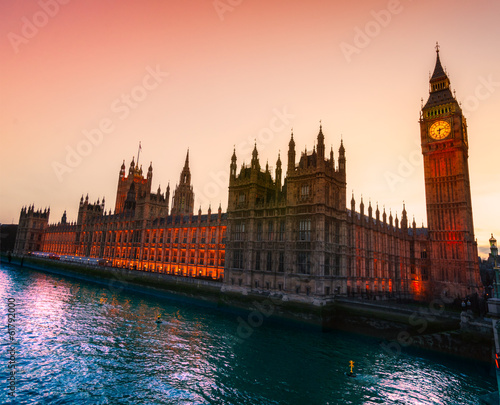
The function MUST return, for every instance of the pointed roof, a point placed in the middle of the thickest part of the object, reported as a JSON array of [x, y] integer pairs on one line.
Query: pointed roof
[[320, 133], [291, 144], [254, 152], [439, 72], [440, 92], [186, 164], [341, 149]]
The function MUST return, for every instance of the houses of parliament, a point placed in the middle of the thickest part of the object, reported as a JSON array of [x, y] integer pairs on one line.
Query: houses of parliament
[[292, 233]]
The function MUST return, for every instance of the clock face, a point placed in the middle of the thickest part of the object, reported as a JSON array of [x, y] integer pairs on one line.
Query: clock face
[[439, 130]]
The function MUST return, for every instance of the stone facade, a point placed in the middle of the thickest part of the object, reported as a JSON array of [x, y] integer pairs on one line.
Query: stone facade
[[301, 242]]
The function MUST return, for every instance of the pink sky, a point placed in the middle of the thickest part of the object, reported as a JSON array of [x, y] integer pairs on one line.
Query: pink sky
[[229, 74]]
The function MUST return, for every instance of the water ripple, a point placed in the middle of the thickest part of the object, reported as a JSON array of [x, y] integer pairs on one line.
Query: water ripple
[[79, 343]]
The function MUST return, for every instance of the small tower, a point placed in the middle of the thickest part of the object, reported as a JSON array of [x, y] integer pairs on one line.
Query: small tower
[[232, 169], [291, 155], [31, 230], [167, 197], [278, 177], [142, 185], [342, 157], [150, 172], [404, 218], [122, 170], [494, 249], [321, 145], [183, 199], [255, 159]]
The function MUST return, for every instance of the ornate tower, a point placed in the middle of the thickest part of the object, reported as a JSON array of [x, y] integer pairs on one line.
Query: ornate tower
[[31, 230], [444, 142], [183, 199], [142, 186]]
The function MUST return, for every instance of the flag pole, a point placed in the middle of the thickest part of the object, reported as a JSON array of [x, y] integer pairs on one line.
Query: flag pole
[[138, 153]]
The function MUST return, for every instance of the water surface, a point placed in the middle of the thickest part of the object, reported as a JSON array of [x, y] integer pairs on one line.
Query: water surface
[[79, 342]]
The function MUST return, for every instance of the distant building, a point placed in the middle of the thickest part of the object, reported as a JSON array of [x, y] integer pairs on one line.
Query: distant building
[[488, 266], [8, 237]]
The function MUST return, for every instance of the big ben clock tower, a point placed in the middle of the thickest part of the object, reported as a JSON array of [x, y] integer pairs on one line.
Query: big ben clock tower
[[443, 130]]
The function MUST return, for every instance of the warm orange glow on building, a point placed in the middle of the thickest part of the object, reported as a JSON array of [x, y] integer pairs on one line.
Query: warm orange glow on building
[[140, 234]]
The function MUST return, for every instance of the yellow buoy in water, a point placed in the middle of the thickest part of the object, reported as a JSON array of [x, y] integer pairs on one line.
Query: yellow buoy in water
[[351, 365]]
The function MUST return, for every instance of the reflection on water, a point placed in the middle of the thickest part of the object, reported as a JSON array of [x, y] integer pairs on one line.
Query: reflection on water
[[81, 343]]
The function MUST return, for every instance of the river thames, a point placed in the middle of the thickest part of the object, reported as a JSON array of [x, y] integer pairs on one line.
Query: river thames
[[76, 342]]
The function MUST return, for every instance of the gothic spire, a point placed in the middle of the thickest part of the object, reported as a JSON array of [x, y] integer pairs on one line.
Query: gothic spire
[[439, 72], [321, 143]]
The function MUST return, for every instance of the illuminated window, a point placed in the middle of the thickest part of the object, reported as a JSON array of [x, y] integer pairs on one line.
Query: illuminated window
[[211, 258], [201, 259]]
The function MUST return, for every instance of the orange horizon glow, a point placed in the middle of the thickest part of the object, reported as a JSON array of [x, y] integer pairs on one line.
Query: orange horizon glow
[[176, 75]]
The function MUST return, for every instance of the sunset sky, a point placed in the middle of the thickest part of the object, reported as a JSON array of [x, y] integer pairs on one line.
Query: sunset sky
[[210, 75]]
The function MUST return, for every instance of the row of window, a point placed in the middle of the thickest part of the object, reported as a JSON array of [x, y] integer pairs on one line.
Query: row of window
[[183, 235], [172, 256], [269, 262], [304, 233]]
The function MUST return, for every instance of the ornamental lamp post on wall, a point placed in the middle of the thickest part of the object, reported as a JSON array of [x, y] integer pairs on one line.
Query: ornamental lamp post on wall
[[494, 305]]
